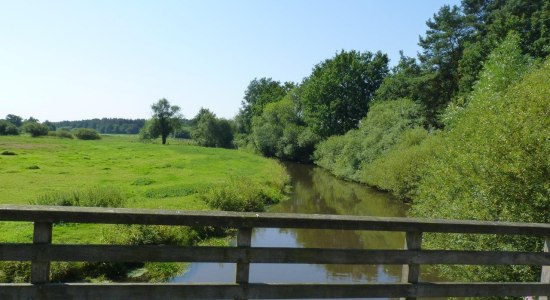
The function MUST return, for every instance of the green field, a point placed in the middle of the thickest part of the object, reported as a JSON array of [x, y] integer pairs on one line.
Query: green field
[[148, 175]]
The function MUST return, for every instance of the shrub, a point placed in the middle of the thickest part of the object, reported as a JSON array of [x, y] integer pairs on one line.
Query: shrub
[[378, 133], [241, 194], [86, 134], [494, 167], [7, 152], [35, 129], [7, 128], [92, 197], [401, 169]]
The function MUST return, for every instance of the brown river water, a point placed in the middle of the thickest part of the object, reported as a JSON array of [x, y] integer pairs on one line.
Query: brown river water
[[315, 191]]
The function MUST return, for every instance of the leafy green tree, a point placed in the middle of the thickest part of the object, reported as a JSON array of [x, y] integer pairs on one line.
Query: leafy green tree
[[17, 121], [209, 131], [280, 132], [443, 46], [7, 128], [504, 66], [336, 96], [492, 21], [166, 119], [258, 94], [35, 129]]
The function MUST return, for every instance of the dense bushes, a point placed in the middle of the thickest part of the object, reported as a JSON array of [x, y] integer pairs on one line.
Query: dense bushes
[[380, 131], [61, 133], [86, 134], [495, 167], [7, 128], [210, 131], [279, 132], [400, 169], [243, 194], [35, 129]]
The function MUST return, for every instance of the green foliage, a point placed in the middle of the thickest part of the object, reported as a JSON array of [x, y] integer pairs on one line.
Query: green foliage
[[86, 134], [258, 94], [150, 235], [243, 194], [400, 169], [280, 132], [7, 152], [378, 132], [17, 121], [8, 128], [103, 125], [63, 133], [149, 131], [494, 167], [336, 96], [504, 66], [166, 119], [162, 272], [91, 197], [35, 129], [238, 194], [209, 131], [493, 21], [15, 271]]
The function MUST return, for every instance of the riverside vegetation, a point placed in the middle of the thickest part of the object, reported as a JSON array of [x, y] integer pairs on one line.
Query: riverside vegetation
[[461, 131], [120, 171]]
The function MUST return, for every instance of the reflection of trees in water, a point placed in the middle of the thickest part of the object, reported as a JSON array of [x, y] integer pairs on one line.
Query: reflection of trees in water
[[316, 191]]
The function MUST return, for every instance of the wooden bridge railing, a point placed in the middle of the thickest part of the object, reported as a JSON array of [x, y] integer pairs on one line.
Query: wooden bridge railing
[[41, 252]]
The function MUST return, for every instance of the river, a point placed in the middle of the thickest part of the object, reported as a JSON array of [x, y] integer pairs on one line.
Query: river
[[315, 191]]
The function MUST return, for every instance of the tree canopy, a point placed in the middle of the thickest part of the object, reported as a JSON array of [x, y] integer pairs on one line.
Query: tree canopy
[[166, 119], [337, 93]]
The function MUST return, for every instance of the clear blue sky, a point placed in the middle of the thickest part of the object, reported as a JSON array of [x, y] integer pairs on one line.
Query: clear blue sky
[[69, 60]]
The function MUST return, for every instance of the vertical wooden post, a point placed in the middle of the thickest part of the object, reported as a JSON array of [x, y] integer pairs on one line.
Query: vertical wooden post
[[244, 240], [411, 272], [40, 269], [545, 274]]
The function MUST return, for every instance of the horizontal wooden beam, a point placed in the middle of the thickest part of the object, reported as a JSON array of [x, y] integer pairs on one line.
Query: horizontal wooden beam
[[163, 253], [267, 291], [35, 213]]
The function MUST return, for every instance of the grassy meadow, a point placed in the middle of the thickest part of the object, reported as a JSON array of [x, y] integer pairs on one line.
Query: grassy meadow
[[135, 174]]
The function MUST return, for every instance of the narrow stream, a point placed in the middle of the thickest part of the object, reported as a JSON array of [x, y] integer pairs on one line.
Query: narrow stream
[[315, 191]]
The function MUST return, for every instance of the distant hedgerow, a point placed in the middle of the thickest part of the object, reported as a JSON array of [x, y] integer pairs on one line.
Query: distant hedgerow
[[86, 134]]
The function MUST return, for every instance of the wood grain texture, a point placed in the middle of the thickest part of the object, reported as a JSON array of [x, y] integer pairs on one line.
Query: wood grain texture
[[165, 253], [260, 220], [136, 291], [545, 273], [40, 266]]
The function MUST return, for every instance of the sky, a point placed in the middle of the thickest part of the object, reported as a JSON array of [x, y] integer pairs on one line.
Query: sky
[[72, 60]]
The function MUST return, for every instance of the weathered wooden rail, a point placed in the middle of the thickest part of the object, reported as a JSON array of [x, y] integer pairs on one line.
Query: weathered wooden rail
[[41, 252]]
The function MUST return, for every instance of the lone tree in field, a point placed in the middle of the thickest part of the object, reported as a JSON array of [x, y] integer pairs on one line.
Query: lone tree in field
[[166, 119]]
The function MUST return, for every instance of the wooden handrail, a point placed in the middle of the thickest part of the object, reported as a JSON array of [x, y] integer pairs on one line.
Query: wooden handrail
[[41, 252], [52, 214]]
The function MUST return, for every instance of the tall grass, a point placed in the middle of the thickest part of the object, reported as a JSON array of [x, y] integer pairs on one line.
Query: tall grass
[[90, 197]]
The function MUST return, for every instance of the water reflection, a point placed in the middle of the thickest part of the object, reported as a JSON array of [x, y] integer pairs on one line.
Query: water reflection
[[317, 192]]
